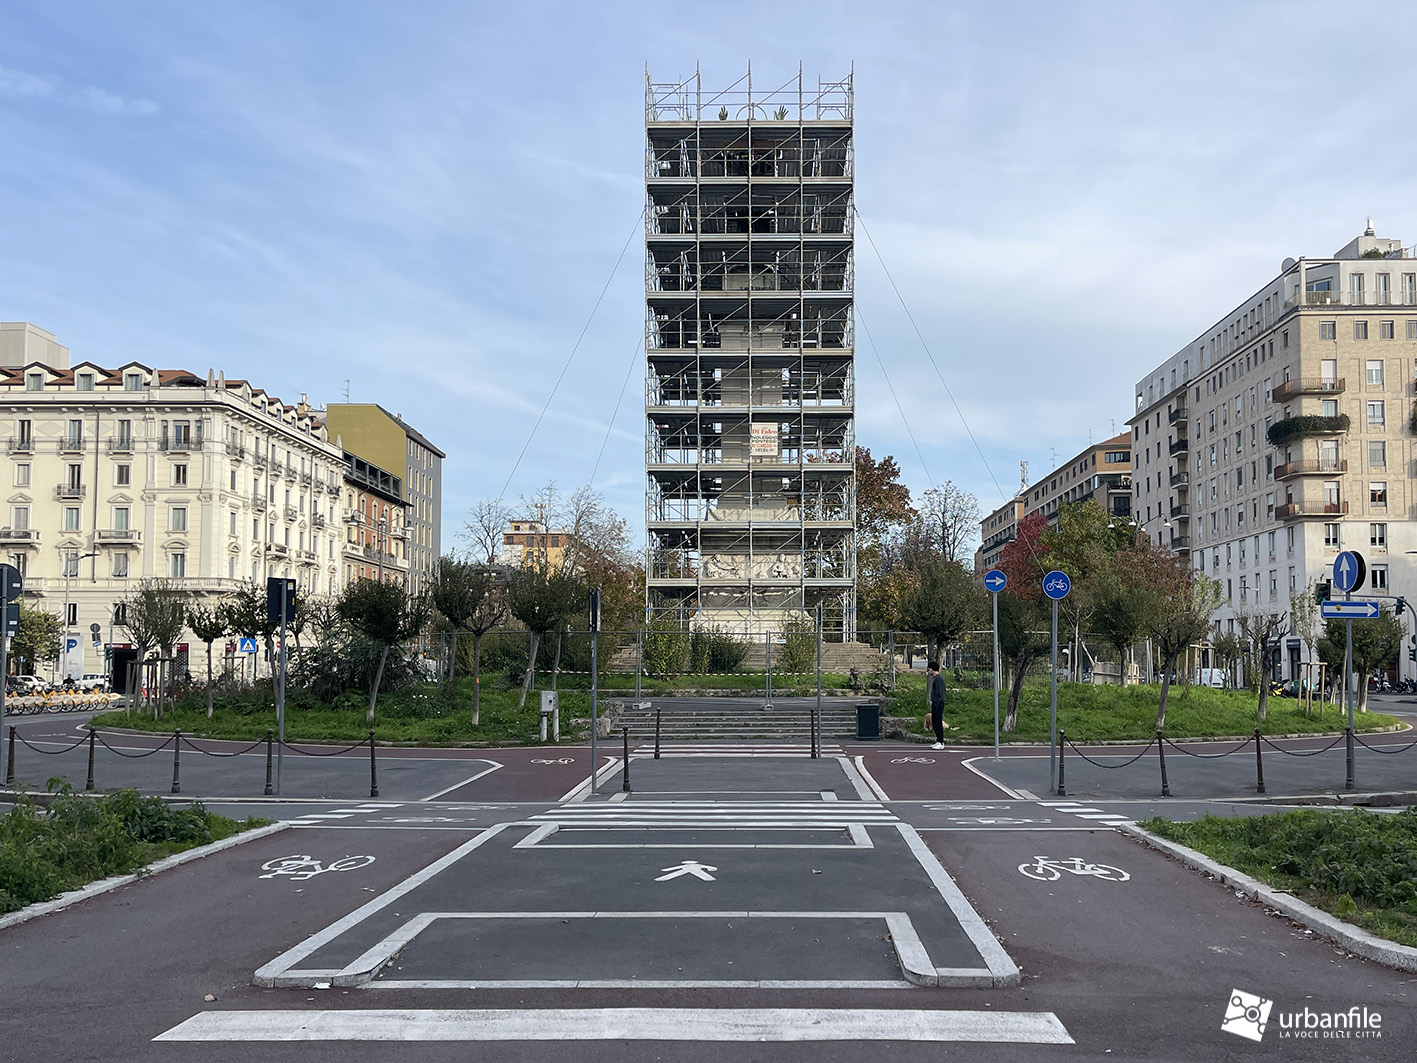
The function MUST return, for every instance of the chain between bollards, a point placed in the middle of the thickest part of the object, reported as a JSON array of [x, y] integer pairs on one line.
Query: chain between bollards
[[10, 760], [88, 785], [625, 782], [270, 738], [1259, 765], [176, 762], [1062, 786], [373, 769], [656, 732], [1161, 755]]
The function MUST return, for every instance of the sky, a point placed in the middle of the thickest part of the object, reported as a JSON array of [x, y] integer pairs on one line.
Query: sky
[[423, 202]]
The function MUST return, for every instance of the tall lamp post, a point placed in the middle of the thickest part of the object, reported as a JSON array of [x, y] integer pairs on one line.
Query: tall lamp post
[[71, 569]]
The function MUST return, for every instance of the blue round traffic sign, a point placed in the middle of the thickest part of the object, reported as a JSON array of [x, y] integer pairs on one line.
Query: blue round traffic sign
[[1348, 571], [995, 581], [1056, 585]]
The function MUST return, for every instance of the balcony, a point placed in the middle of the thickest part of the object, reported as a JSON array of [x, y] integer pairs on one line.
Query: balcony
[[1180, 479], [66, 492], [306, 478], [290, 472], [1181, 511], [121, 445], [235, 450], [1181, 543], [318, 520], [258, 459], [1305, 425], [119, 537], [1308, 386], [22, 446], [291, 513], [71, 445], [1310, 467], [258, 503], [278, 549], [19, 536], [1178, 414], [1296, 510], [179, 446], [1181, 445]]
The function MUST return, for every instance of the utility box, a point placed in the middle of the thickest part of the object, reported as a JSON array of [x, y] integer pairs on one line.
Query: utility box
[[868, 722], [550, 715]]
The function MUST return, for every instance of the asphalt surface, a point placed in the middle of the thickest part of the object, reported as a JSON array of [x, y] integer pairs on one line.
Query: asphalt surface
[[517, 913]]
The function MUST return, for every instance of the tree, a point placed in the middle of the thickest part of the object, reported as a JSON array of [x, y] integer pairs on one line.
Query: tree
[[154, 617], [486, 524], [1121, 603], [386, 615], [36, 639], [1183, 600], [208, 623], [248, 615], [1024, 636], [948, 520], [470, 596], [1260, 629], [542, 598], [1227, 649], [1376, 644], [883, 513], [945, 604], [1083, 546]]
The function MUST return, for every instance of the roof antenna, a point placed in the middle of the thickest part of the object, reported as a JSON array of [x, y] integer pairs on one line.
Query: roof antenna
[[346, 392]]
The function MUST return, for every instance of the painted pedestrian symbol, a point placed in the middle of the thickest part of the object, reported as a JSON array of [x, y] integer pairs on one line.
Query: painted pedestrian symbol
[[688, 867]]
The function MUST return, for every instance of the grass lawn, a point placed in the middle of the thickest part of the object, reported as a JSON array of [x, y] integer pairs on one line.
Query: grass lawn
[[77, 840], [1360, 866]]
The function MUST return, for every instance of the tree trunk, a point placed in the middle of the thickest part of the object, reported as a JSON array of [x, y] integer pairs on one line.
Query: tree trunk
[[556, 661], [530, 669], [476, 679], [1015, 689], [453, 665], [378, 678], [1264, 684], [1165, 689], [1362, 695], [209, 680]]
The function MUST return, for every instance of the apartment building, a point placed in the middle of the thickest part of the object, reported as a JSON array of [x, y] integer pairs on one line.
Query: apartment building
[[531, 542], [1101, 472], [1283, 433], [118, 474], [375, 514], [389, 443]]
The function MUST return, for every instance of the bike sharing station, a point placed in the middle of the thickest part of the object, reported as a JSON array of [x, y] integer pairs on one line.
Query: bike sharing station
[[700, 877]]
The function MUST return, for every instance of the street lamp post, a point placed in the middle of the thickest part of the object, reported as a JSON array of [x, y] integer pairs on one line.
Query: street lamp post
[[70, 560]]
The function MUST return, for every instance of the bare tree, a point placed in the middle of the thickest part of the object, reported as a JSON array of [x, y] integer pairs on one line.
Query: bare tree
[[1259, 630], [949, 518], [486, 524], [472, 599], [154, 618], [208, 623]]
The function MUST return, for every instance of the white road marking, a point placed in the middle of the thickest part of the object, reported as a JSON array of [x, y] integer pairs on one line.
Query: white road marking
[[870, 779], [1016, 794], [624, 1024], [752, 814], [459, 785], [688, 867]]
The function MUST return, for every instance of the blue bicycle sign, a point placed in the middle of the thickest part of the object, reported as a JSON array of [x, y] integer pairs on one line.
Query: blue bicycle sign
[[1056, 585]]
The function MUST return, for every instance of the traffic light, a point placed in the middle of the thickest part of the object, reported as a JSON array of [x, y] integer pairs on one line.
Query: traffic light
[[1322, 590], [1401, 605]]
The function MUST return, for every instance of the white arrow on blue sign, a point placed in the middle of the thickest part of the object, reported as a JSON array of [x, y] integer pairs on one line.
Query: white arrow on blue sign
[[1056, 585], [1347, 571], [995, 581], [1357, 609]]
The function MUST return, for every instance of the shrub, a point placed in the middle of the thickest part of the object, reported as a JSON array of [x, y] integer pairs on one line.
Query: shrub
[[799, 648], [666, 648], [1307, 424], [713, 650]]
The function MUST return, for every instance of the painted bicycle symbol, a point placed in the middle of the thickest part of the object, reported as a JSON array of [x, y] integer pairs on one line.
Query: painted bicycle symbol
[[913, 760], [1046, 870], [301, 868], [563, 760]]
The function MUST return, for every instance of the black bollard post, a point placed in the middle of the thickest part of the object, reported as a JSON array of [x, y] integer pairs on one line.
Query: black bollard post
[[92, 735], [10, 760], [1062, 739], [625, 782], [656, 732], [1349, 784], [270, 735], [1259, 765], [176, 762], [373, 769], [812, 730], [1161, 753]]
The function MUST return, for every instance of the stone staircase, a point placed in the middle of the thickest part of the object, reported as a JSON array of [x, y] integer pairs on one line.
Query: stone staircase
[[837, 657], [737, 719]]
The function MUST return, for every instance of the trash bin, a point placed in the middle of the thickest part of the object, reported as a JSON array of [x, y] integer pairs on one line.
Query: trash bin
[[868, 722]]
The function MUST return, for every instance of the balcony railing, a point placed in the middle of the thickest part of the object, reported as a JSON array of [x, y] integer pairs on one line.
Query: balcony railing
[[19, 535], [1178, 414], [71, 445], [118, 536], [291, 513], [278, 549], [69, 491], [22, 446], [318, 520], [258, 503], [1181, 444], [1308, 468], [121, 445], [1181, 511], [1308, 386], [235, 450], [1180, 542], [1180, 479], [1295, 510], [179, 445]]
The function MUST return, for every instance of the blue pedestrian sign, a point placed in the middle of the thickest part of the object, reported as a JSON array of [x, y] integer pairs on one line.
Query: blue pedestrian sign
[[1348, 571], [1056, 585], [247, 646], [995, 581], [1355, 609]]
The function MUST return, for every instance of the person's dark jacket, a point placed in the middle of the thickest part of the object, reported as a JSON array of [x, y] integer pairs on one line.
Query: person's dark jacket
[[937, 693]]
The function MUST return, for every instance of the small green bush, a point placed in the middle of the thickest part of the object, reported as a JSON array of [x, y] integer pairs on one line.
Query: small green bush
[[799, 647], [1307, 424]]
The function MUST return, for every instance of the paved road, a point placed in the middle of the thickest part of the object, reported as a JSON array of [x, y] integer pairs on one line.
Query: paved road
[[725, 899]]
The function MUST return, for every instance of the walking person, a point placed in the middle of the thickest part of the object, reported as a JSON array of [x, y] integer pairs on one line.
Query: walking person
[[935, 691]]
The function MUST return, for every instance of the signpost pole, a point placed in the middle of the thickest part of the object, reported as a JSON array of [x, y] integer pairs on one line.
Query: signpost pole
[[594, 611], [280, 694], [11, 583], [1348, 697], [1053, 710], [996, 675]]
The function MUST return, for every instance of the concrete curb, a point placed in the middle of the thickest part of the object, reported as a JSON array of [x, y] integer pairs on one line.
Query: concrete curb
[[1357, 941], [93, 889]]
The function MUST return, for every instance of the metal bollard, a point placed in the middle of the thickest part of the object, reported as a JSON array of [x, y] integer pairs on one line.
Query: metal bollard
[[1259, 765], [625, 783], [270, 736], [10, 760], [1348, 783], [656, 733], [812, 716], [176, 762], [1062, 745], [92, 735], [1161, 753], [373, 769]]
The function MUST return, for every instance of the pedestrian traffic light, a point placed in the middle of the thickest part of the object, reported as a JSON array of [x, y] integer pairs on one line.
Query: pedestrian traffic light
[[1401, 605], [1322, 590], [1412, 653]]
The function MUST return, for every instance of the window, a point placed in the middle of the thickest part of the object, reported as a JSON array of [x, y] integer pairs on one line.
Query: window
[[132, 381], [1382, 288], [121, 516], [1284, 340], [1377, 577], [120, 566], [1377, 453], [177, 519], [1412, 330], [123, 475], [22, 475], [1328, 330], [233, 479], [231, 522], [1387, 330], [1360, 330], [71, 519], [182, 433], [177, 565], [34, 381], [20, 519], [83, 382], [1375, 372], [1375, 413], [1377, 493], [1377, 535], [1329, 407], [1330, 535], [1355, 289], [179, 475]]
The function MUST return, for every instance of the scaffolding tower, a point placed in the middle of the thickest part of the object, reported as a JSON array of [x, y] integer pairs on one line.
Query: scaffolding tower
[[749, 401]]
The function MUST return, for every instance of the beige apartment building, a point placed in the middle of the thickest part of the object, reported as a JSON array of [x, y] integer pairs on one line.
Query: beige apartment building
[[1102, 472], [118, 474], [1283, 433]]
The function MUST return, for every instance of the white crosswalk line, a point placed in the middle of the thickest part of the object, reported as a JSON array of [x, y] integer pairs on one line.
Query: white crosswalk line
[[760, 814]]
